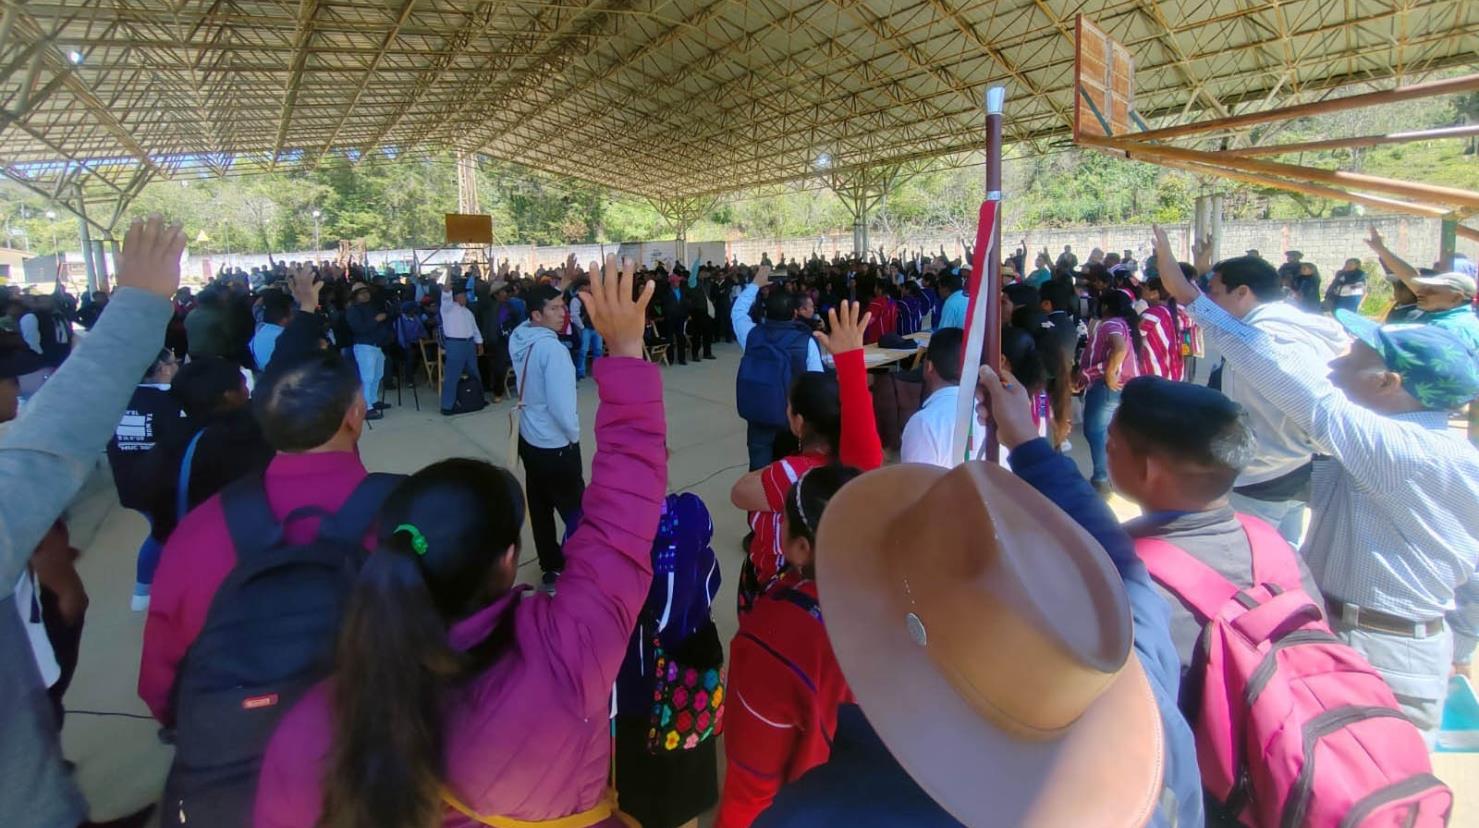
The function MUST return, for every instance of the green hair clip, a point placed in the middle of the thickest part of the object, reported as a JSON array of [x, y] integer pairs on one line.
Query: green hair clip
[[418, 540]]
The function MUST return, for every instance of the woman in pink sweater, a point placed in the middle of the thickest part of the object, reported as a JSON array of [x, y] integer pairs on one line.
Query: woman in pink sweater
[[459, 699]]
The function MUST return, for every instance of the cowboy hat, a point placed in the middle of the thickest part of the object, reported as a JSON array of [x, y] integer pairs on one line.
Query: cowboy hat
[[988, 639]]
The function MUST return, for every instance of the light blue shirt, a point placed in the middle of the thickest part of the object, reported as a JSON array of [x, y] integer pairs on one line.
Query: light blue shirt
[[264, 343], [739, 315], [952, 313], [1395, 523]]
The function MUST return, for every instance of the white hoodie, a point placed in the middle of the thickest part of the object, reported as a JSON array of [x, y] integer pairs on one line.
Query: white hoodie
[[546, 376], [1282, 446]]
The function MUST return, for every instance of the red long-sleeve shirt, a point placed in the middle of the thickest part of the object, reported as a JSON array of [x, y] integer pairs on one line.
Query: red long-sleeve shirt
[[859, 447], [784, 690]]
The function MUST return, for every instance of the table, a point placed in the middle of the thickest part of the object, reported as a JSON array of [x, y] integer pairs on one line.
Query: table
[[876, 357]]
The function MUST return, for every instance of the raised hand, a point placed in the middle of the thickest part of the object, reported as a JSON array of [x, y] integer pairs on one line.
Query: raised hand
[[150, 259], [1170, 271], [1374, 240], [1004, 399], [618, 316], [303, 288], [847, 328], [762, 276]]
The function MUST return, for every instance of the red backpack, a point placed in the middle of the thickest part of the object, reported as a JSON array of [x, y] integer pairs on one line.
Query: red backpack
[[1293, 727]]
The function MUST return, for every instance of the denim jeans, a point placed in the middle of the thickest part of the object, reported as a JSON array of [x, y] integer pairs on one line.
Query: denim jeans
[[1287, 516], [148, 561], [371, 361], [1100, 403], [461, 355], [761, 442], [590, 344]]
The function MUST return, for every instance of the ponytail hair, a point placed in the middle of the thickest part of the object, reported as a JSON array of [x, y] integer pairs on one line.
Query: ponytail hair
[[809, 496], [443, 530]]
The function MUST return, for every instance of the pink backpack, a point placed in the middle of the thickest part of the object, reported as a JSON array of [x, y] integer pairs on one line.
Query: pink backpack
[[1293, 727]]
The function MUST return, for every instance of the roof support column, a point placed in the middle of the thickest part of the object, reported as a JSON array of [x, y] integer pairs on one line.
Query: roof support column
[[681, 214], [861, 189]]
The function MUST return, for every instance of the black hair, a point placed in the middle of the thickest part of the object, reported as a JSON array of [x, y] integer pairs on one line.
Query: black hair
[[540, 296], [1156, 285], [1204, 431], [1117, 303], [1020, 350], [816, 400], [781, 305], [1257, 274], [951, 282], [808, 497], [944, 353], [276, 307], [302, 407], [442, 531], [1022, 294], [202, 384], [1057, 294]]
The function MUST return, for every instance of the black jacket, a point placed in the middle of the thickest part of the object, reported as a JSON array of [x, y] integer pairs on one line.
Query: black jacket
[[231, 447]]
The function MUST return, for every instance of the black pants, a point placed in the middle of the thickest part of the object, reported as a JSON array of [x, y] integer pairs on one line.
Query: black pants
[[553, 482], [701, 336], [677, 339]]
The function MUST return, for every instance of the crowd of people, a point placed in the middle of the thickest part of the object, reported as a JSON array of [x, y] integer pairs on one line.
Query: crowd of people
[[936, 641]]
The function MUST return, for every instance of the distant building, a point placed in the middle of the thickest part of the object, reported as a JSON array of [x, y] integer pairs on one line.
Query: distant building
[[13, 265]]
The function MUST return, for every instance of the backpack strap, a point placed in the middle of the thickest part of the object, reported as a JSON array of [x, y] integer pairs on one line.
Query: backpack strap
[[249, 518], [182, 487], [353, 520], [1273, 558], [805, 602], [1192, 581]]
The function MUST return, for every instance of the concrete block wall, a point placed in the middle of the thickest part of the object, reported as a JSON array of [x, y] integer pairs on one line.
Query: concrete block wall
[[1326, 242]]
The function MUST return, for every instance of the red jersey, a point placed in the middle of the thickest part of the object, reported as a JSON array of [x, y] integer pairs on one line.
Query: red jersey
[[885, 319], [1163, 342]]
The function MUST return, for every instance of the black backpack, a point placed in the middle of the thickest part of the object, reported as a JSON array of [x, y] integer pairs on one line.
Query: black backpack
[[269, 636], [775, 354]]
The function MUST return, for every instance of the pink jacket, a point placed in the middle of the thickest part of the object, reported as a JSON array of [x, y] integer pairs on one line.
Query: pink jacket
[[530, 738]]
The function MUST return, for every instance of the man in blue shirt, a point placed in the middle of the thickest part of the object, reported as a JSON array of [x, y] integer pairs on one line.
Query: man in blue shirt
[[277, 311], [952, 312]]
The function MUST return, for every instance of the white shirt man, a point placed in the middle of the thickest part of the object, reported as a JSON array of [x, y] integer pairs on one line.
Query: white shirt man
[[929, 433]]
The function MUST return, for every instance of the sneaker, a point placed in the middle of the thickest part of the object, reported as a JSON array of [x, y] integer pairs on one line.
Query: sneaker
[[547, 583], [139, 603], [374, 414], [381, 406]]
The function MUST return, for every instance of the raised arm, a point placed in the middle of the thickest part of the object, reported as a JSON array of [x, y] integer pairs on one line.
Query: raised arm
[[608, 558], [860, 445], [1389, 260], [739, 315], [48, 452]]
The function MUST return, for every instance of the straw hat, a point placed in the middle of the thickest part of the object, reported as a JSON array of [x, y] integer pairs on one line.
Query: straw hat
[[988, 638]]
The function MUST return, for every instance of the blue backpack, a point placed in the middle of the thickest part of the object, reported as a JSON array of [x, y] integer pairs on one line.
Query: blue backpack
[[775, 354], [268, 637]]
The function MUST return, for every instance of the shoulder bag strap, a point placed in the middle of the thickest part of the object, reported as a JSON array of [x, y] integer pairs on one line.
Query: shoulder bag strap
[[1194, 582], [1273, 558], [182, 489], [515, 414]]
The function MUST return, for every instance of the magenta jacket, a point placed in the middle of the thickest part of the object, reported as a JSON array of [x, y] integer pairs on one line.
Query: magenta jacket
[[530, 738]]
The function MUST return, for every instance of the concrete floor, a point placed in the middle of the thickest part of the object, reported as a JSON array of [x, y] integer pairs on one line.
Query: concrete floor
[[111, 737]]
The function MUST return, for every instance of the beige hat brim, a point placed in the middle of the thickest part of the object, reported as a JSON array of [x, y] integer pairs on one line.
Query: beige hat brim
[[1105, 770]]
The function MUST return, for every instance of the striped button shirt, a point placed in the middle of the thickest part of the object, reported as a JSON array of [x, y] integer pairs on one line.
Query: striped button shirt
[[1395, 524]]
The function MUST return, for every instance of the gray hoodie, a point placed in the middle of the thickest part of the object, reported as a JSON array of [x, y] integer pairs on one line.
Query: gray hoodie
[[546, 377]]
